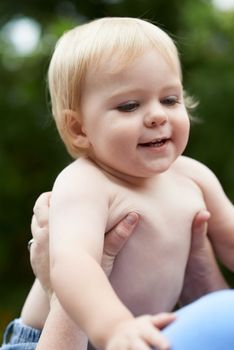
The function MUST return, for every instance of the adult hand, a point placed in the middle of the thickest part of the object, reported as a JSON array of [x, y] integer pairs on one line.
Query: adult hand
[[39, 251], [115, 240], [202, 273]]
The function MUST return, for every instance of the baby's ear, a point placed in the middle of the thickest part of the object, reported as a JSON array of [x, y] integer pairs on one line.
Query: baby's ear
[[75, 130]]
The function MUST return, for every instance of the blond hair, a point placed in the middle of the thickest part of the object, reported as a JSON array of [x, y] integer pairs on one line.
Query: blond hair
[[121, 39]]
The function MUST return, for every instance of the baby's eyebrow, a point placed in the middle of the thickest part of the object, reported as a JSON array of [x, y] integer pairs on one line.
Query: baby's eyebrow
[[121, 92], [177, 86]]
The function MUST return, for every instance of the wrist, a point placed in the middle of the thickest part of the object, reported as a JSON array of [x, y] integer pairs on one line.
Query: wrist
[[101, 336]]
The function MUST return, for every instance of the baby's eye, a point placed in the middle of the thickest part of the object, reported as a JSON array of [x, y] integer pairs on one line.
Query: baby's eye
[[129, 106], [170, 100]]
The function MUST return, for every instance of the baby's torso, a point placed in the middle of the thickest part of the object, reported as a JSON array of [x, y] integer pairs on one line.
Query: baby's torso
[[148, 273]]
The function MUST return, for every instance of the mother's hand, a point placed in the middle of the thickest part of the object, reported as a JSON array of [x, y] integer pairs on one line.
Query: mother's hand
[[202, 273], [39, 251]]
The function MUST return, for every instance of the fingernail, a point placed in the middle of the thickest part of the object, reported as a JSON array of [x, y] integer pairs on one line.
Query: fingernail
[[208, 213], [131, 218]]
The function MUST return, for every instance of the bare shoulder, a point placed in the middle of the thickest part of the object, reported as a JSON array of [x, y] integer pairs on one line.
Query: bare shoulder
[[216, 200], [80, 177], [184, 163], [81, 169], [195, 170]]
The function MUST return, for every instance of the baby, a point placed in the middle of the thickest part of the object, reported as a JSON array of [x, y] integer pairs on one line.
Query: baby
[[117, 99]]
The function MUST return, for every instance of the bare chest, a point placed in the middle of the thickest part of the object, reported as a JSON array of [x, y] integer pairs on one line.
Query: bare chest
[[149, 271]]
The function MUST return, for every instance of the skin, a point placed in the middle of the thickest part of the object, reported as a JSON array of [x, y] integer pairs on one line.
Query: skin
[[41, 292], [202, 274], [202, 271], [126, 173], [117, 107]]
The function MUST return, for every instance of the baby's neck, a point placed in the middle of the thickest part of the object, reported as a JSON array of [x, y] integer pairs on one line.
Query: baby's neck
[[126, 178]]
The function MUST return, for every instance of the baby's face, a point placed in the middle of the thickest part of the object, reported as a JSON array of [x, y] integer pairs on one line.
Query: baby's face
[[135, 119]]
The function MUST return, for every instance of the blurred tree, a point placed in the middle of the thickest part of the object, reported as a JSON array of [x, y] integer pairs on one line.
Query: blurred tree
[[31, 153]]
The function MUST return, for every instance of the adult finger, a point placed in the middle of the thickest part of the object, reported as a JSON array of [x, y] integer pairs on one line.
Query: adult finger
[[43, 199], [34, 226], [199, 230], [118, 236], [41, 209], [200, 220]]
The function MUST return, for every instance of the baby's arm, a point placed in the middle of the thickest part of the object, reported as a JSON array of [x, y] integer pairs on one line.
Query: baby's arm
[[221, 222], [59, 327], [140, 332], [77, 227]]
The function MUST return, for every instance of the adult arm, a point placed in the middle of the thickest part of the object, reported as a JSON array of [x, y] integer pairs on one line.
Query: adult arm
[[36, 307]]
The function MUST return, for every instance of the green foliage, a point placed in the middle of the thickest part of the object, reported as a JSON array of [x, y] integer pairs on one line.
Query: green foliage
[[31, 153]]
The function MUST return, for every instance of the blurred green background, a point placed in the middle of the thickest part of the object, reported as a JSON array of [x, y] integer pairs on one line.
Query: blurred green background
[[31, 153]]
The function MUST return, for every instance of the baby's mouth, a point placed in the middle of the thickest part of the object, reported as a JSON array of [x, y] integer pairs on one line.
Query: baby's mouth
[[155, 143]]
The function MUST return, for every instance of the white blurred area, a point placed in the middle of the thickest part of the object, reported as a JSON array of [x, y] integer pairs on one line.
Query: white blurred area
[[224, 5], [23, 34]]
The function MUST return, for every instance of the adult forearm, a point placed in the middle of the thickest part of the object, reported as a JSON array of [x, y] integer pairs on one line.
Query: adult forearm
[[60, 332], [203, 276], [38, 301]]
